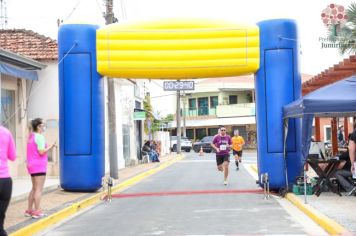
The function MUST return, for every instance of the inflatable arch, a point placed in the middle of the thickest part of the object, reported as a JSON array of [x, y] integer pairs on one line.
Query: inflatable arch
[[176, 49]]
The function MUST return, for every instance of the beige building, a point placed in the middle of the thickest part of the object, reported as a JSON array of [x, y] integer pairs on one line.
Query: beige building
[[227, 101], [15, 72], [26, 98]]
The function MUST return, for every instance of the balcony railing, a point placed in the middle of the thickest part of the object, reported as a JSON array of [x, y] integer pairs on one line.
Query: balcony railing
[[200, 111], [233, 110]]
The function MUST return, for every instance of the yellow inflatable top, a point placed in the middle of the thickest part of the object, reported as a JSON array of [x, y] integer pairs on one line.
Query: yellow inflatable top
[[177, 49]]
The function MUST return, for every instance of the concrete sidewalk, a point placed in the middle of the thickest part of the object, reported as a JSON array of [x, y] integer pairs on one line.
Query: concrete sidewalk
[[341, 209], [55, 199], [22, 186]]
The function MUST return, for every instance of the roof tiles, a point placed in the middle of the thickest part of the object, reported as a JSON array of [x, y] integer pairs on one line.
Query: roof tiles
[[29, 44]]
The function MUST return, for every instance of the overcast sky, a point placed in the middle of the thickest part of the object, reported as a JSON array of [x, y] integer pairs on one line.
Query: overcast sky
[[41, 16]]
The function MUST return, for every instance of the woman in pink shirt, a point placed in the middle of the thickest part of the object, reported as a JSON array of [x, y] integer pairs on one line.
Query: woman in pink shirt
[[36, 166], [7, 152]]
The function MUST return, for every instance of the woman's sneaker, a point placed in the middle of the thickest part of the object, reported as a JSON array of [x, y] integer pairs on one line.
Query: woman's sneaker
[[28, 213], [37, 214]]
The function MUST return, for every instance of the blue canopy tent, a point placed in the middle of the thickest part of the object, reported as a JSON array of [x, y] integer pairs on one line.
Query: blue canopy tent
[[334, 100]]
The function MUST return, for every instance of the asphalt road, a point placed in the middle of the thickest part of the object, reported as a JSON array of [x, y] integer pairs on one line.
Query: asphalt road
[[189, 198]]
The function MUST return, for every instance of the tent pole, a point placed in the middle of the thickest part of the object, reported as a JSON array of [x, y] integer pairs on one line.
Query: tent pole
[[305, 187], [284, 150], [334, 136], [317, 129], [346, 128]]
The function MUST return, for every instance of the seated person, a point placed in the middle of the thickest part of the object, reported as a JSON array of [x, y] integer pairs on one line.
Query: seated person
[[154, 147], [153, 156], [343, 174], [145, 150]]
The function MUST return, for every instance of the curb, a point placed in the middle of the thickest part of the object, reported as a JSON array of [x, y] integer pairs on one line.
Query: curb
[[254, 168], [78, 206], [326, 223], [329, 225]]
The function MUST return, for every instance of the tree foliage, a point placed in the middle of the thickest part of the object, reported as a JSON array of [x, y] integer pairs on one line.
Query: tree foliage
[[149, 112], [150, 118]]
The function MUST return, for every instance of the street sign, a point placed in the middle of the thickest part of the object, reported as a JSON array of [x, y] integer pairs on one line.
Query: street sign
[[178, 85], [139, 115]]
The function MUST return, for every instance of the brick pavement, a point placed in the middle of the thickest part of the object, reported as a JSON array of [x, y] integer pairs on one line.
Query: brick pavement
[[58, 199]]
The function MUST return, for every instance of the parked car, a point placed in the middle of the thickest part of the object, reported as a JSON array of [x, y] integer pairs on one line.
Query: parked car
[[205, 144], [185, 144]]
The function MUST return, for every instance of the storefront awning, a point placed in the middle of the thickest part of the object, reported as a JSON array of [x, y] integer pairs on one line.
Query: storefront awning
[[18, 66], [17, 72]]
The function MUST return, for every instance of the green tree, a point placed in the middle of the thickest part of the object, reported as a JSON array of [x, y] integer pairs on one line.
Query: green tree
[[346, 35], [149, 113], [168, 118], [150, 118]]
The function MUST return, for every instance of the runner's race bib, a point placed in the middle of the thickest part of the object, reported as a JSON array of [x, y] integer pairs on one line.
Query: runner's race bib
[[222, 147]]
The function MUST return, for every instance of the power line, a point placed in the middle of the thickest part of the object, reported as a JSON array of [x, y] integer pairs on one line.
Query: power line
[[172, 94], [74, 8], [99, 6], [123, 9]]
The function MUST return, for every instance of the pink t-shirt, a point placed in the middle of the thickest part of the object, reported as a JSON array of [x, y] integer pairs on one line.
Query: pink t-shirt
[[36, 163], [7, 151]]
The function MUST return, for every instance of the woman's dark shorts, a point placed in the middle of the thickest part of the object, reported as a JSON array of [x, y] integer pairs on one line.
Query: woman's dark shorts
[[38, 174], [239, 153], [222, 158]]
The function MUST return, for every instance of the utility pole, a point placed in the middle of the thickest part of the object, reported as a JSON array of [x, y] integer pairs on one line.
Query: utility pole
[[109, 16], [179, 132], [184, 111], [3, 14]]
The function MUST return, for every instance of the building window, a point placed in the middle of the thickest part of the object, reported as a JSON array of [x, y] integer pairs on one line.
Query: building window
[[192, 106], [8, 117], [200, 133], [212, 131], [214, 101], [249, 97], [190, 133], [203, 106], [192, 103], [232, 99], [327, 133], [138, 104]]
